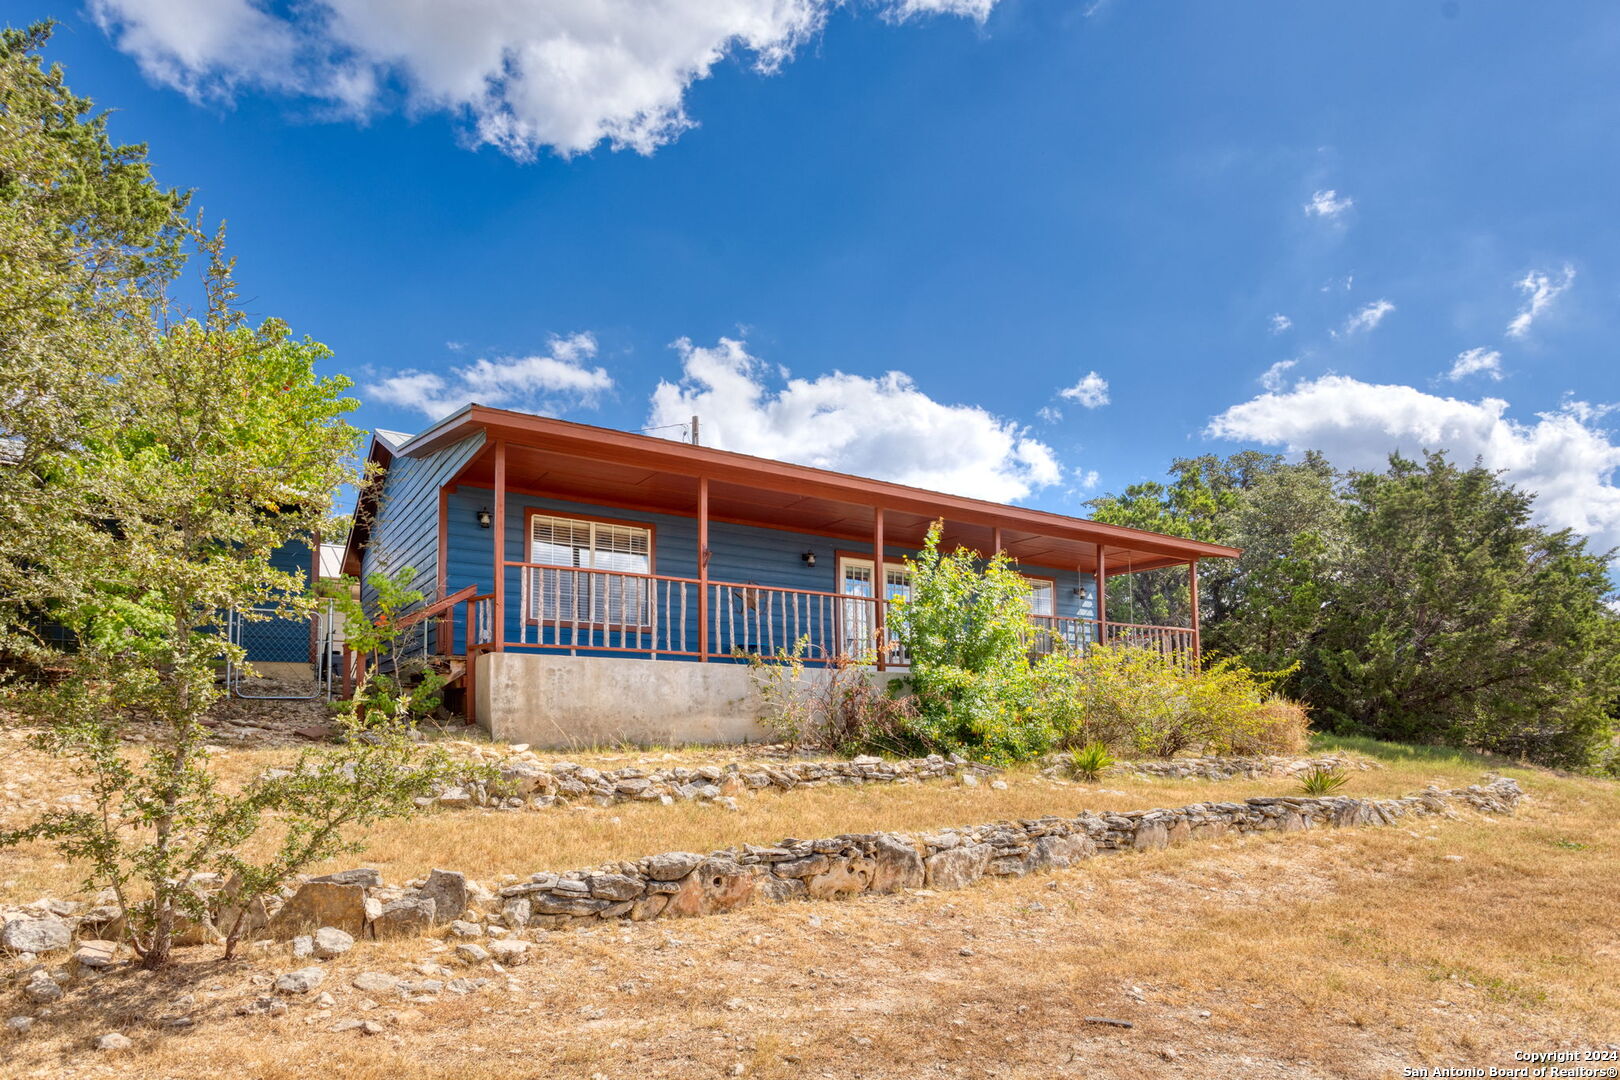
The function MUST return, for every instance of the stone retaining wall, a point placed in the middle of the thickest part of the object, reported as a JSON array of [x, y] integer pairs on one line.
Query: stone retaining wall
[[533, 784], [527, 783], [678, 883], [1239, 768]]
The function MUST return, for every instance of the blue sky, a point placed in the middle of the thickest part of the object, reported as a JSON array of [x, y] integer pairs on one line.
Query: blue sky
[[1025, 249]]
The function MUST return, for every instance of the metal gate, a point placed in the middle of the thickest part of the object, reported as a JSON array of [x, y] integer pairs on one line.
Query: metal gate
[[268, 637]]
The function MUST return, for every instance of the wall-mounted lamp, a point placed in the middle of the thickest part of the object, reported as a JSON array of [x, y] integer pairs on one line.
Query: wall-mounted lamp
[[484, 518], [1078, 591], [809, 558]]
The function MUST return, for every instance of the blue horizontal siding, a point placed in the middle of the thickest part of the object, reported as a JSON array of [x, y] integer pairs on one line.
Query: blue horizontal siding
[[406, 531], [744, 554]]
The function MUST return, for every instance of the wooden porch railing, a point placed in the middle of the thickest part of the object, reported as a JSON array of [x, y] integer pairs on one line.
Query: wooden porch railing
[[620, 612], [612, 611], [1051, 632]]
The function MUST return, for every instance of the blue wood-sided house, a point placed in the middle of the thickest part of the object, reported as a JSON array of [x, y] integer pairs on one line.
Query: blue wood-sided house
[[563, 559]]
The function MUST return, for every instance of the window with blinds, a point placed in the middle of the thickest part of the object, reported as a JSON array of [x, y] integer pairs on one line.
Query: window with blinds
[[574, 594], [1042, 597]]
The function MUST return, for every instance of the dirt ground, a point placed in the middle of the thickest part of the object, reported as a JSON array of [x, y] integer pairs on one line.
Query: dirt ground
[[1448, 943]]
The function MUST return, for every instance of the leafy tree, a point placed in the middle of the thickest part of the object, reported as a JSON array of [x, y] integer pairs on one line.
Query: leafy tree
[[1290, 524], [1456, 619], [1197, 504], [87, 241], [965, 630], [1417, 603], [150, 463]]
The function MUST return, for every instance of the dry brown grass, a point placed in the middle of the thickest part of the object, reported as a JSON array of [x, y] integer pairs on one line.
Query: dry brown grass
[[1347, 953]]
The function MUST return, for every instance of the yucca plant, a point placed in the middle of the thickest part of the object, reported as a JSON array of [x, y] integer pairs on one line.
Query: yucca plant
[[1089, 761], [1323, 781]]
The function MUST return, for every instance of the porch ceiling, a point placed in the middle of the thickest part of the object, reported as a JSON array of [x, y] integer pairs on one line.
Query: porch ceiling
[[574, 477]]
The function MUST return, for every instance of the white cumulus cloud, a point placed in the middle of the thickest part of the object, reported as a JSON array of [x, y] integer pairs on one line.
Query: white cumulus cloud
[[1091, 392], [882, 427], [1273, 378], [1563, 456], [1328, 204], [1367, 318], [1280, 322], [1540, 290], [1486, 362], [525, 74], [545, 383]]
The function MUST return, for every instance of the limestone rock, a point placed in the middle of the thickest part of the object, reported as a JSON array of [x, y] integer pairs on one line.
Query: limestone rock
[[91, 953], [778, 890], [551, 904], [262, 1006], [670, 865], [515, 912], [404, 918], [375, 982], [448, 891], [330, 942], [649, 907], [614, 887], [321, 903], [114, 1041], [844, 877], [246, 921], [1060, 852], [471, 953], [509, 952], [1150, 836], [41, 988], [302, 981], [365, 876], [896, 865], [42, 935], [716, 884], [958, 867]]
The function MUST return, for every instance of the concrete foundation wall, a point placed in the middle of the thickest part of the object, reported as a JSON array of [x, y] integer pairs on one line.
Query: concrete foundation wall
[[562, 702]]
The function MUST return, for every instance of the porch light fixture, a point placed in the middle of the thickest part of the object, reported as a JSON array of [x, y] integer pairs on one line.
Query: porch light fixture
[[809, 558], [484, 518]]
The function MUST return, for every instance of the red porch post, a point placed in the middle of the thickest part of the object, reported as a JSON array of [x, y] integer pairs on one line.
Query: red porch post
[[880, 589], [1102, 597], [444, 636], [703, 569], [499, 603], [1192, 590], [995, 541]]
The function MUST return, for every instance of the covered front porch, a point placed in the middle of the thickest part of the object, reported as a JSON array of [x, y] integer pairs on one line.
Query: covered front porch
[[566, 540]]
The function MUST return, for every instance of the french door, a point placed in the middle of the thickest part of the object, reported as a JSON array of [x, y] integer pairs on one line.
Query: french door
[[857, 618]]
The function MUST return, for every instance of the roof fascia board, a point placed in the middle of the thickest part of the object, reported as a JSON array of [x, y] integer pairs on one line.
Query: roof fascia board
[[683, 459]]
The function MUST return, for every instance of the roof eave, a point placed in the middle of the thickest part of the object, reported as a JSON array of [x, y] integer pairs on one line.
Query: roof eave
[[875, 492]]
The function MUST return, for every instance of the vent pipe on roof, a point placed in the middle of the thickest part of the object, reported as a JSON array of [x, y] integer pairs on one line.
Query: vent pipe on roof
[[695, 440]]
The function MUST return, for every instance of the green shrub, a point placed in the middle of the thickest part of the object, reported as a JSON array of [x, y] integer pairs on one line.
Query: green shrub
[[834, 706], [1139, 701], [1323, 781], [1089, 761], [965, 629]]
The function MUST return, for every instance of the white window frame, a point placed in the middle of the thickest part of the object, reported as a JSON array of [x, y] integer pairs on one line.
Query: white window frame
[[857, 618], [1038, 586], [555, 595]]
